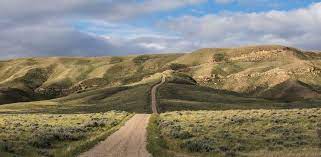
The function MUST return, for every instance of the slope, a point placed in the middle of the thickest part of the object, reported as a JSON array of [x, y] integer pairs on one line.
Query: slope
[[47, 78], [252, 70], [131, 98], [255, 71]]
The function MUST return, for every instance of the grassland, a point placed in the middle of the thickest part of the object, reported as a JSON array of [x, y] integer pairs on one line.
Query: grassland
[[175, 96], [294, 132], [130, 98], [56, 135], [180, 92]]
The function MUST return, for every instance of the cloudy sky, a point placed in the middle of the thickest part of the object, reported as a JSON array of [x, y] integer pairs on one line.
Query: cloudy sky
[[120, 27]]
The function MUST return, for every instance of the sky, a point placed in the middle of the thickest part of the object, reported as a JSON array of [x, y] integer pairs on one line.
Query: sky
[[30, 28]]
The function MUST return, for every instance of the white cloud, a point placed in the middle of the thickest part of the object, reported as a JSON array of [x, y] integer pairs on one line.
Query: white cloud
[[300, 27], [117, 30], [224, 1], [43, 27], [259, 4], [46, 28], [153, 46], [61, 40], [103, 9]]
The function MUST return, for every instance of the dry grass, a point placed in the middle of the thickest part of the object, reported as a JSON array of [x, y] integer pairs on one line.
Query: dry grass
[[291, 153], [35, 135], [242, 132]]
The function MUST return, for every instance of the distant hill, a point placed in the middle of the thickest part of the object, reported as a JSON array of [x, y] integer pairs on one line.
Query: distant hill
[[271, 72]]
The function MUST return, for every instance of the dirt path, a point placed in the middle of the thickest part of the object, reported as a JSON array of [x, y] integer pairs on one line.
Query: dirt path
[[153, 93], [128, 141]]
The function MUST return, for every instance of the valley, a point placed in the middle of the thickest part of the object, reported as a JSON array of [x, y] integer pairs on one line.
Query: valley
[[242, 101]]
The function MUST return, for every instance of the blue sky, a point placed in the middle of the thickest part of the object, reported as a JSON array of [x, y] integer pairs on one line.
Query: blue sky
[[203, 8], [122, 27]]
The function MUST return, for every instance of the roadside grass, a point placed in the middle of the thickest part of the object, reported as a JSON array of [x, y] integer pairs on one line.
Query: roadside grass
[[308, 152], [156, 145], [237, 133], [55, 135]]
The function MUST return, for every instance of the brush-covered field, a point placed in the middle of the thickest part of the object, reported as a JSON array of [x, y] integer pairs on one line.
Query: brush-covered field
[[36, 135], [180, 96], [290, 133]]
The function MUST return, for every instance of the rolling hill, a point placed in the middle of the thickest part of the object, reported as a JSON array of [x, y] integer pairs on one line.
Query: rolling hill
[[263, 98], [260, 74]]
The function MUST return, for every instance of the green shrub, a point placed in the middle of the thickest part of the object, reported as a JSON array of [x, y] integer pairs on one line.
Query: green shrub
[[141, 59], [176, 66], [83, 61], [6, 146], [115, 60], [45, 139], [95, 123], [219, 57], [35, 77], [42, 141], [319, 135], [180, 134], [117, 73], [181, 78], [199, 145]]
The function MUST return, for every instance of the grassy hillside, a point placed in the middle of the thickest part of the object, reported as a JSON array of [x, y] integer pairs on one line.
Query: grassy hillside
[[131, 98], [181, 92], [176, 97], [237, 133], [271, 72], [46, 78]]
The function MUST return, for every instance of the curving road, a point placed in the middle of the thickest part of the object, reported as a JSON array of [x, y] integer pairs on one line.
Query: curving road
[[154, 94], [129, 140]]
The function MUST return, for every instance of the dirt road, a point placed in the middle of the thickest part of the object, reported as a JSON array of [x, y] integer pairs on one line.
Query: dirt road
[[153, 93], [128, 141]]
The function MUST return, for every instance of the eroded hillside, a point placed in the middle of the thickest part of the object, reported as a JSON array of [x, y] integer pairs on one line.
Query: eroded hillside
[[263, 71]]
